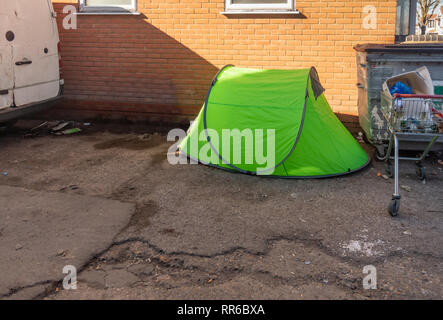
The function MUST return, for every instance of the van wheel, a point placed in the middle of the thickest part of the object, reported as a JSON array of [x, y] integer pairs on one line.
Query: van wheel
[[7, 125]]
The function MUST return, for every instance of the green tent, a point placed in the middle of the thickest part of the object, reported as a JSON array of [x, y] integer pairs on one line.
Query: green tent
[[272, 122]]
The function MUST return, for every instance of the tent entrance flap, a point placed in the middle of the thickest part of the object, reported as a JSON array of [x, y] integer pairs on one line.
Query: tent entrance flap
[[271, 122]]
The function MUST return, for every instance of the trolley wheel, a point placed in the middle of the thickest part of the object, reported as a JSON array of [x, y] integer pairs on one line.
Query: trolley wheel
[[388, 169], [378, 156], [394, 207], [421, 173]]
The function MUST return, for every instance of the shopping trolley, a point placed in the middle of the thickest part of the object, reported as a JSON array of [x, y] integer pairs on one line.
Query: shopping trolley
[[410, 115]]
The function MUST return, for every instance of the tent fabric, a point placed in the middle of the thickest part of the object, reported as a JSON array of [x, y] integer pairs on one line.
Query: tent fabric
[[284, 106]]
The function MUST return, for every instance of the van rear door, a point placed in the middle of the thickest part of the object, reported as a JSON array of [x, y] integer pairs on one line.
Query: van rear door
[[6, 69], [34, 52]]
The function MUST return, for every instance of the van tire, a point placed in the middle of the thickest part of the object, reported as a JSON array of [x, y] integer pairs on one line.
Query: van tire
[[8, 125]]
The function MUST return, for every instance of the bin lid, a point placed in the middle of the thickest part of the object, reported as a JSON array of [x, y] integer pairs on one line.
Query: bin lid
[[414, 48]]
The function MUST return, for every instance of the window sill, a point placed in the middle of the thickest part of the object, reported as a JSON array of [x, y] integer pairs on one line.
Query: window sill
[[108, 13], [255, 12]]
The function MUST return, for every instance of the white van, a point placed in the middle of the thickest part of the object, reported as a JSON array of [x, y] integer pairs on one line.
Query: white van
[[29, 58]]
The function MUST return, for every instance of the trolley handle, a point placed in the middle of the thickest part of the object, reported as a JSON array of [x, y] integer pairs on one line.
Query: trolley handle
[[422, 96]]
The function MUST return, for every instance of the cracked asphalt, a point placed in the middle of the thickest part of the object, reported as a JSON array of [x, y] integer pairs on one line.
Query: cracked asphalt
[[201, 233]]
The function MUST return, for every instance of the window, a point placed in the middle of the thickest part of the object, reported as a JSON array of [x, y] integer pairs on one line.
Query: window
[[251, 5], [431, 23], [108, 5]]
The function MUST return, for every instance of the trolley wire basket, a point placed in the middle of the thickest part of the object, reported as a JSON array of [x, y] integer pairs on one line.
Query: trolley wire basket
[[410, 115], [414, 113]]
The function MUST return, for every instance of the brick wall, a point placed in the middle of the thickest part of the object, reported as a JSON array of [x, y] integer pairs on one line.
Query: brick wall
[[159, 64]]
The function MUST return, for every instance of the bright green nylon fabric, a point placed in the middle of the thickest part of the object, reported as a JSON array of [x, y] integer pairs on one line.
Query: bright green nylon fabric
[[325, 147], [248, 99]]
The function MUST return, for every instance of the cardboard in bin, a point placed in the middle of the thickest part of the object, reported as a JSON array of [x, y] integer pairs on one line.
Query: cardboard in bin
[[419, 81]]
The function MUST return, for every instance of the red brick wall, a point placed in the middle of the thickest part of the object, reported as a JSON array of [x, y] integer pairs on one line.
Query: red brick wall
[[160, 63]]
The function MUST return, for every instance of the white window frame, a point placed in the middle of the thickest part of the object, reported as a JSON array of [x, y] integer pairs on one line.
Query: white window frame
[[110, 8], [289, 5]]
